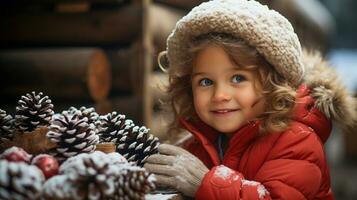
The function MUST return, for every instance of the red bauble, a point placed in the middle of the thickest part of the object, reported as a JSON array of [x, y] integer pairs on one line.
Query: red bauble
[[16, 154], [47, 164]]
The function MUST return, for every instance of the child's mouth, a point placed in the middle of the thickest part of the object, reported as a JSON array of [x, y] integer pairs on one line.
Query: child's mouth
[[224, 111]]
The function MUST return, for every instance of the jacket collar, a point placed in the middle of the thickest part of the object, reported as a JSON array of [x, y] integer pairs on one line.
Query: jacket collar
[[205, 135], [208, 136], [308, 113]]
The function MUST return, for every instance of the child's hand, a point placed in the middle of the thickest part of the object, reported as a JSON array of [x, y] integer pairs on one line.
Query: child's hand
[[176, 168]]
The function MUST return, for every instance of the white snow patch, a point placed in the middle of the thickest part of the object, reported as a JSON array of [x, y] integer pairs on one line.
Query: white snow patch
[[159, 196], [249, 183], [151, 178], [262, 191], [223, 172]]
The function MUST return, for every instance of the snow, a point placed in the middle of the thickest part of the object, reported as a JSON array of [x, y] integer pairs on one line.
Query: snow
[[249, 183], [159, 196], [262, 191], [22, 177], [151, 178], [223, 172], [58, 186], [105, 168]]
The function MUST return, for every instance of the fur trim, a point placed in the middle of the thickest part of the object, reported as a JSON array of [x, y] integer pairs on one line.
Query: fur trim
[[331, 96]]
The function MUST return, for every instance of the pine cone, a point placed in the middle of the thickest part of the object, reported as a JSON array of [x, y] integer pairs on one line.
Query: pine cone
[[88, 176], [133, 183], [90, 113], [105, 176], [6, 127], [73, 135], [19, 181], [112, 126], [137, 144], [133, 142], [111, 158], [59, 188], [33, 110]]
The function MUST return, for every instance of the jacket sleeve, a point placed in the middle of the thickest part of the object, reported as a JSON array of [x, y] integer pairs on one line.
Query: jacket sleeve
[[222, 182], [293, 170], [296, 167]]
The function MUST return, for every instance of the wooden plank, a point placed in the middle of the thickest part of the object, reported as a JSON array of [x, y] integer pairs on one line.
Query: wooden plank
[[131, 106], [163, 19], [66, 1], [66, 73], [147, 63], [182, 4], [124, 76], [102, 27]]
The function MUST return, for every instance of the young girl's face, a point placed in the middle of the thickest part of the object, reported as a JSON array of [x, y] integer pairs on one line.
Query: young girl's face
[[225, 97]]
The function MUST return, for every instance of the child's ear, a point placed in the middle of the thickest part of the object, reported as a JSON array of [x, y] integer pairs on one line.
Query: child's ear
[[163, 61]]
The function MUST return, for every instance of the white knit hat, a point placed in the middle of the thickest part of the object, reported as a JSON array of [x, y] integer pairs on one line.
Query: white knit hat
[[266, 30]]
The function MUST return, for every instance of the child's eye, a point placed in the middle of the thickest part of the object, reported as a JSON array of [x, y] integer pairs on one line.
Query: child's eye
[[238, 78], [205, 82]]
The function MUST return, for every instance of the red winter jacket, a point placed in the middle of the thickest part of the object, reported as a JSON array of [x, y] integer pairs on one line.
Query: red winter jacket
[[289, 165]]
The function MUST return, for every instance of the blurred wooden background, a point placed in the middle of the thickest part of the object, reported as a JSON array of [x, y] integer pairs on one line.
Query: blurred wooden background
[[102, 53]]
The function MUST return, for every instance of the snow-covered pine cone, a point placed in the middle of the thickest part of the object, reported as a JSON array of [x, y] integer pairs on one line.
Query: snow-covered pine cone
[[33, 110], [133, 142], [6, 127], [92, 174], [90, 113], [98, 176], [137, 144], [112, 126], [72, 134], [113, 158], [133, 183], [20, 181], [59, 188]]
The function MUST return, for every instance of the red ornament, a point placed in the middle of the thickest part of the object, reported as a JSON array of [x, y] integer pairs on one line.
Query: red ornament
[[47, 164], [16, 154]]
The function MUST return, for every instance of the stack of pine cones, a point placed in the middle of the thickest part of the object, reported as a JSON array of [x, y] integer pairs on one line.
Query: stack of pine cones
[[85, 173], [98, 176]]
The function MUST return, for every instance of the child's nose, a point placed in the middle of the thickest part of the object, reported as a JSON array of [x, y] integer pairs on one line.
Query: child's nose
[[221, 93]]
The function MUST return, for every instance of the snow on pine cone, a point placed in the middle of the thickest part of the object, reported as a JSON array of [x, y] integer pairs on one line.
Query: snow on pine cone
[[72, 134], [90, 113], [98, 176], [113, 158], [113, 125], [6, 127], [20, 181], [59, 188], [33, 110], [133, 142]]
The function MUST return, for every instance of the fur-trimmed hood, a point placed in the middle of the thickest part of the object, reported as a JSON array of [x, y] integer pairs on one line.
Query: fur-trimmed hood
[[330, 94]]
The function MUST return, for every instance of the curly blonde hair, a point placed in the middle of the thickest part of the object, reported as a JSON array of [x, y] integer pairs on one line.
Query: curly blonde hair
[[278, 92]]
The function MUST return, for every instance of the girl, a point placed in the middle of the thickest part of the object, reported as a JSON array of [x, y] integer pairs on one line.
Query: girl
[[258, 108]]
